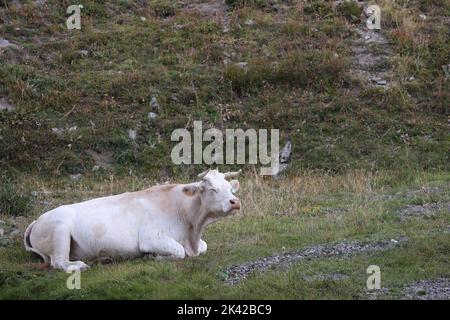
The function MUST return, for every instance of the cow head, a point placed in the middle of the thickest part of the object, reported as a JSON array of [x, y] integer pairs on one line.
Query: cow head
[[217, 194]]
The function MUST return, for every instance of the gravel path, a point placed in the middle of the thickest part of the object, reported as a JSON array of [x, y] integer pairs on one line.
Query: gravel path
[[424, 210], [435, 289], [429, 289], [372, 54], [239, 272]]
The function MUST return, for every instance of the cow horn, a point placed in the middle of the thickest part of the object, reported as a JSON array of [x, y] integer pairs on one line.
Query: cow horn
[[232, 174], [204, 173]]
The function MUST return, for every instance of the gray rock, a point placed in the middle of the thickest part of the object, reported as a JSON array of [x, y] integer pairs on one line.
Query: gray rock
[[61, 131], [5, 105], [154, 102], [284, 159], [242, 64], [7, 44], [75, 177], [446, 68], [152, 116], [250, 22], [132, 134], [181, 26], [83, 53], [58, 131], [285, 153]]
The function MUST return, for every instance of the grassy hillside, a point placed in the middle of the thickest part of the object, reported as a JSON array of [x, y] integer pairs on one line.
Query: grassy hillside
[[286, 65], [370, 161]]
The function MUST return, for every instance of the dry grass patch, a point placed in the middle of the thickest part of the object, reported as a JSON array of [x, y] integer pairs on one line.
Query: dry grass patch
[[264, 196]]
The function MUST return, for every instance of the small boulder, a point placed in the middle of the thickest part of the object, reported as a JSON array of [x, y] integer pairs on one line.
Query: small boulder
[[5, 105], [7, 44], [132, 134], [58, 131], [242, 64], [75, 177], [154, 102]]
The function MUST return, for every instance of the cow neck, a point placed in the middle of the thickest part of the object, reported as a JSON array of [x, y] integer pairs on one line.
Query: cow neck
[[199, 218]]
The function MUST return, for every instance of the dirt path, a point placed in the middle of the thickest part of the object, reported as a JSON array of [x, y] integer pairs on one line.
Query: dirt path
[[372, 55], [429, 289], [239, 272], [433, 289], [424, 210]]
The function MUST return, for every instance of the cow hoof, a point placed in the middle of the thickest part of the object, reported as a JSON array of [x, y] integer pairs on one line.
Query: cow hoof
[[202, 247], [76, 266]]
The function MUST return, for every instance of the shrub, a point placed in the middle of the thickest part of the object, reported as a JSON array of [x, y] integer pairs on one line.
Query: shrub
[[163, 9], [297, 70], [319, 9], [350, 10]]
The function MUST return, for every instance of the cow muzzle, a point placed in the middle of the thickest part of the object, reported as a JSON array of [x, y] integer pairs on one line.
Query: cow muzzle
[[235, 204]]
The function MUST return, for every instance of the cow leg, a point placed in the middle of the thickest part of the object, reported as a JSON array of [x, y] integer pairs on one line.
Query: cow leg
[[163, 247], [202, 247], [61, 252]]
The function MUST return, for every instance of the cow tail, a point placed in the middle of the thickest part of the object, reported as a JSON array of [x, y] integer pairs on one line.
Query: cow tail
[[27, 243]]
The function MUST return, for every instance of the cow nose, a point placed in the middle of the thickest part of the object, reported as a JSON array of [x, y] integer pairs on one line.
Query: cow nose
[[235, 203]]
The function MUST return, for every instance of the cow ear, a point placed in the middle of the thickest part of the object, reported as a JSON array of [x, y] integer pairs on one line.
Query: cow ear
[[191, 189], [234, 185]]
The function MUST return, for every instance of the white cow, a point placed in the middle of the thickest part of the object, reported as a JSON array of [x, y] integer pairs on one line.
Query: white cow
[[166, 221]]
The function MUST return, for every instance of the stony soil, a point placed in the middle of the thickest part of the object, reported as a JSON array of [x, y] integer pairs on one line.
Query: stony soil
[[424, 210], [237, 273], [433, 289]]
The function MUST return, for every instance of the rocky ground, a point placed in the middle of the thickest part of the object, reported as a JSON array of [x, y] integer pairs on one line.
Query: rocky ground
[[430, 289], [425, 210], [238, 273], [433, 289], [372, 54]]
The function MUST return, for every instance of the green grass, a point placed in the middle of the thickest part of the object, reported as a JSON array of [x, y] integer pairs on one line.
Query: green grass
[[298, 79], [13, 200]]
